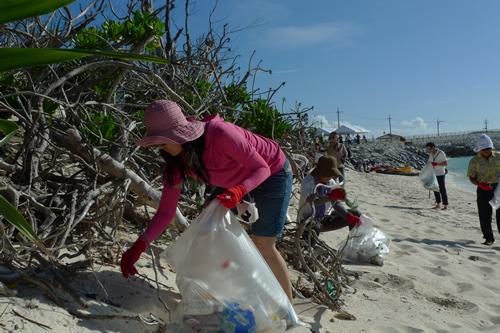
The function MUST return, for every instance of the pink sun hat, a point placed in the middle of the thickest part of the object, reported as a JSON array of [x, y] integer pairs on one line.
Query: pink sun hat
[[166, 123]]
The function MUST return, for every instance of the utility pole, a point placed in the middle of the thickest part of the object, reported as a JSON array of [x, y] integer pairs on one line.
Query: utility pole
[[338, 117], [390, 131], [486, 125], [442, 121]]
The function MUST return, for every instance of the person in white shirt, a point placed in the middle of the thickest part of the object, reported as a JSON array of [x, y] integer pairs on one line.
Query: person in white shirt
[[318, 152], [438, 160]]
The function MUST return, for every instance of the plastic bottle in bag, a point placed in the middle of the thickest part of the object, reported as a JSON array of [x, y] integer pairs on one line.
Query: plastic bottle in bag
[[197, 309], [200, 313], [240, 283]]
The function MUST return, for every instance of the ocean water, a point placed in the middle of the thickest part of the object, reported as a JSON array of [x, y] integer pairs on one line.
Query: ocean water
[[457, 173]]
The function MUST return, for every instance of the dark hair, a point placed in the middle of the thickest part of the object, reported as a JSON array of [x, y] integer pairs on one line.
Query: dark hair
[[430, 144], [193, 161]]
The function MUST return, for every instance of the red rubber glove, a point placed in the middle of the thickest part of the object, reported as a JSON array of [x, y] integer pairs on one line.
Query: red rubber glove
[[130, 257], [337, 194], [434, 164], [485, 186], [354, 220], [231, 197]]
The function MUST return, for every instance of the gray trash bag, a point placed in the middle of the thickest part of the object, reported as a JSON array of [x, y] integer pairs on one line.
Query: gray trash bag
[[365, 244]]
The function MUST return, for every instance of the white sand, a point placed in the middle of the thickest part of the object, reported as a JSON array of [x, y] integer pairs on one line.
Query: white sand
[[438, 277]]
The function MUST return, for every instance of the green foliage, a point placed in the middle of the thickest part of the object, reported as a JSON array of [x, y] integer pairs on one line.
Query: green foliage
[[16, 219], [142, 26], [133, 30], [203, 89], [264, 120], [8, 86], [106, 84], [9, 128], [15, 58], [260, 117], [14, 10], [238, 97], [138, 114], [49, 106], [105, 125], [90, 42]]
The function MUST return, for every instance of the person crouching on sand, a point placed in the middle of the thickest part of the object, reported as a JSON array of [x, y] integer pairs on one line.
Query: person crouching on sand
[[340, 217]]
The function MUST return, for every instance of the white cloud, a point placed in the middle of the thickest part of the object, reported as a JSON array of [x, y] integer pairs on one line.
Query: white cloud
[[414, 124], [336, 33], [286, 71], [321, 122]]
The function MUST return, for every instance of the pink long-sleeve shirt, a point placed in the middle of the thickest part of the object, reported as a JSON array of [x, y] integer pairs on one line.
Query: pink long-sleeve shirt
[[233, 156]]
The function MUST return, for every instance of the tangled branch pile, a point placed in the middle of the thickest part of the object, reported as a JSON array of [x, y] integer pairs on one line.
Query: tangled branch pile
[[73, 170]]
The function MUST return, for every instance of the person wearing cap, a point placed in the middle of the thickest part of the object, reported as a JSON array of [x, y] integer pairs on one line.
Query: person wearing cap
[[339, 151], [227, 156], [439, 163], [484, 172], [340, 217]]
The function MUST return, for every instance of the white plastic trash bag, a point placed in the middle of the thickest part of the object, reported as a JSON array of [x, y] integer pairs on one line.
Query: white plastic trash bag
[[428, 178], [224, 281], [495, 201], [365, 244]]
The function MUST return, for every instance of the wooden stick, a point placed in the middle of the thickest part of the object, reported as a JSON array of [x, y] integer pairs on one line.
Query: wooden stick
[[30, 320]]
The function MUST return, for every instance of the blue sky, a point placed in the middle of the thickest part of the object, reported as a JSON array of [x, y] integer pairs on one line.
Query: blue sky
[[413, 61]]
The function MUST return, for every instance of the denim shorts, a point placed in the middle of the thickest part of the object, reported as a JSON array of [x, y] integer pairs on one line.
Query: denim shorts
[[272, 198]]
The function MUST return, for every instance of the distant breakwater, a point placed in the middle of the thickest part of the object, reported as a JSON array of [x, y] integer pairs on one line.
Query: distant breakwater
[[456, 147], [413, 154]]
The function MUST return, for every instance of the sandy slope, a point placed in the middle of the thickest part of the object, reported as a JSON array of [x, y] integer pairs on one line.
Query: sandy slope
[[438, 276]]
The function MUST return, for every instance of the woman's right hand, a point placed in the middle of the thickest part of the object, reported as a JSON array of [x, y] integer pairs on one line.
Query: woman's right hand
[[130, 257], [354, 220]]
